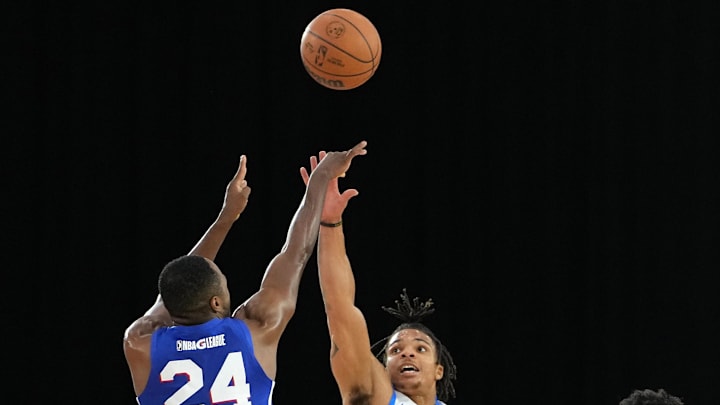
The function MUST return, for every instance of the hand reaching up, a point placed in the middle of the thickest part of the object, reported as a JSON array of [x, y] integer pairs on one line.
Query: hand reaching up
[[237, 193], [335, 201]]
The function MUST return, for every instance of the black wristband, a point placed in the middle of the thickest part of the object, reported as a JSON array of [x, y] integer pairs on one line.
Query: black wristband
[[329, 225]]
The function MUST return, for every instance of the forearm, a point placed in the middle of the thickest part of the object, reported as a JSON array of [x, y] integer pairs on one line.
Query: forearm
[[337, 281], [211, 241], [303, 231], [287, 267], [275, 302]]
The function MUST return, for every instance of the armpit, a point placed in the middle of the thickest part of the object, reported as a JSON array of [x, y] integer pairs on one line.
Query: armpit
[[359, 397]]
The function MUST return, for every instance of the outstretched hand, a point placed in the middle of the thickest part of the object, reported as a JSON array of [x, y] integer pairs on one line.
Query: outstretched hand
[[335, 201], [237, 193]]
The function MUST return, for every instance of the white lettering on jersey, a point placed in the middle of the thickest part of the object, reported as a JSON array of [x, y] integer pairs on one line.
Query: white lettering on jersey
[[200, 344]]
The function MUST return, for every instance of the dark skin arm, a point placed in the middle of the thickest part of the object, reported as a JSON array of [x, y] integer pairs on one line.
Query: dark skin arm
[[136, 342], [268, 311]]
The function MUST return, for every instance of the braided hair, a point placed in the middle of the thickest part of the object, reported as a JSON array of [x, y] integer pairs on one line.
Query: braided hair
[[411, 313], [650, 397]]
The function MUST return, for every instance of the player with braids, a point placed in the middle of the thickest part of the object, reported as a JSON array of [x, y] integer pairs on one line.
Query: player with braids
[[416, 368], [411, 314], [650, 397]]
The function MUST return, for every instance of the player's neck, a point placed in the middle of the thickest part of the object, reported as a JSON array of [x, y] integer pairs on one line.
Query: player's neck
[[193, 319]]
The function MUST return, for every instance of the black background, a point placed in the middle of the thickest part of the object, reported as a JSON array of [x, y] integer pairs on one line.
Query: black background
[[545, 171]]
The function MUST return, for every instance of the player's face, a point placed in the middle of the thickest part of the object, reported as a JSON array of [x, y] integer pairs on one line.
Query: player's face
[[411, 362]]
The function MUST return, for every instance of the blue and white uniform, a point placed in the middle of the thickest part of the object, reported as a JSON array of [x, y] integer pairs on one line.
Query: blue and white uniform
[[399, 398], [205, 364]]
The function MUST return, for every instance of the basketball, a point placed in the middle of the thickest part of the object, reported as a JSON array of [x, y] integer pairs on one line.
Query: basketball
[[340, 49]]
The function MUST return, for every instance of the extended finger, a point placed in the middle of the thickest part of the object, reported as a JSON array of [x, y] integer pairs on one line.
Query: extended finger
[[360, 148], [304, 174], [242, 170]]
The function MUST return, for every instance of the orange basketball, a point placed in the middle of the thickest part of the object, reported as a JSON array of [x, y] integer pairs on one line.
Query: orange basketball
[[340, 49]]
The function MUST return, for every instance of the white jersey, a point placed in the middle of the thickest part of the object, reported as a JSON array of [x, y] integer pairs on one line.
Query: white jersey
[[399, 398]]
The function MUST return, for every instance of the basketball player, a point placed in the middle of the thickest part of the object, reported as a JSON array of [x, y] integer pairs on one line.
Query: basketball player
[[189, 348], [414, 367]]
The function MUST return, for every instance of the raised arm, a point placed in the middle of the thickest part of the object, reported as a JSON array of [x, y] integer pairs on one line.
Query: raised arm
[[269, 310], [356, 370], [136, 341], [237, 193]]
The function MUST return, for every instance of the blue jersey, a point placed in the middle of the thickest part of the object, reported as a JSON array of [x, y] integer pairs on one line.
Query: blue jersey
[[211, 363], [398, 398]]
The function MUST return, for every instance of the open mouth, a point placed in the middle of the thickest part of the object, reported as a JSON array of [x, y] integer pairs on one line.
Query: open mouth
[[408, 368]]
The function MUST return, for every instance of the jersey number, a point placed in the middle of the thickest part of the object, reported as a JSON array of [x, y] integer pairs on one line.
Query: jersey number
[[229, 385]]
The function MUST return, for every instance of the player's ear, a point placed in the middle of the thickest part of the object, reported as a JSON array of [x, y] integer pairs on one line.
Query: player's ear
[[439, 372], [216, 303]]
